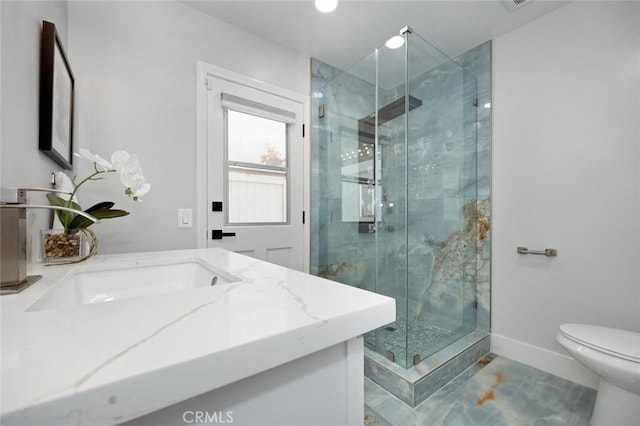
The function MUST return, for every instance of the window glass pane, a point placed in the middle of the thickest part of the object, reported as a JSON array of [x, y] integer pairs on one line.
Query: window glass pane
[[257, 196], [256, 140]]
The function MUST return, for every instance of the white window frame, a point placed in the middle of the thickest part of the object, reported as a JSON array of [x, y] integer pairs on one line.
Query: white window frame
[[262, 113]]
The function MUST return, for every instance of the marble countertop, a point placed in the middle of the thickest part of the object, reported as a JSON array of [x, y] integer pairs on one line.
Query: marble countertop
[[110, 362]]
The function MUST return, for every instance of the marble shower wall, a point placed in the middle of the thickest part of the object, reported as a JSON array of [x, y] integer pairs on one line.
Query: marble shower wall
[[448, 191], [338, 250]]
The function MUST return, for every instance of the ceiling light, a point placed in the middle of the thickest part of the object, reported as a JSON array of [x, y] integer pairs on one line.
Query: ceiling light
[[487, 105], [326, 6], [395, 42]]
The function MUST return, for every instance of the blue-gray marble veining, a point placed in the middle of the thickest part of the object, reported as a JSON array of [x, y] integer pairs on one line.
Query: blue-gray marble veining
[[439, 246], [414, 385], [503, 392]]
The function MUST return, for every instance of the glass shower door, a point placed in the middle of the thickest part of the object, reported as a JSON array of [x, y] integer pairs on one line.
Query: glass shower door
[[441, 191], [391, 199]]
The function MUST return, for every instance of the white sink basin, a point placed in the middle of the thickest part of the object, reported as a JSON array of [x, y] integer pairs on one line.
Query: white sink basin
[[87, 286]]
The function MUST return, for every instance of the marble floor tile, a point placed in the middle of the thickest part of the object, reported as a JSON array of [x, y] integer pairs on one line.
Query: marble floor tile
[[372, 418], [493, 393]]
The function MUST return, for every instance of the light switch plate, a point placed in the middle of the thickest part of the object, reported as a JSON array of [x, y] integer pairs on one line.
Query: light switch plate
[[185, 218]]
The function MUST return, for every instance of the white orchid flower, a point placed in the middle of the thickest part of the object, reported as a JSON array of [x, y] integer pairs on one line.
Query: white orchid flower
[[99, 161], [140, 190], [119, 159], [130, 174]]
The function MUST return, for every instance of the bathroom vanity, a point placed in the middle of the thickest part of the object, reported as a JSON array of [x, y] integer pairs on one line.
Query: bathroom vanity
[[184, 337]]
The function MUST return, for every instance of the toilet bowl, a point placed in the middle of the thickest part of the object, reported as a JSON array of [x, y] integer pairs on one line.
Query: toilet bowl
[[614, 355]]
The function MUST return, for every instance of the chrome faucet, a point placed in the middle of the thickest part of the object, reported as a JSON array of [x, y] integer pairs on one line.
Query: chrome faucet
[[13, 226]]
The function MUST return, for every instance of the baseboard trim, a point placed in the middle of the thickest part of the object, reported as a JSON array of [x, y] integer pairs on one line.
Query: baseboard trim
[[552, 362]]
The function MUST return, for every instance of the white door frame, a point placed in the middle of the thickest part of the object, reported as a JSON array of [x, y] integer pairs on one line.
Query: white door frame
[[205, 70]]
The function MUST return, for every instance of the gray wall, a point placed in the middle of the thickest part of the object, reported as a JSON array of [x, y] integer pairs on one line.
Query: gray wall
[[22, 163], [566, 175]]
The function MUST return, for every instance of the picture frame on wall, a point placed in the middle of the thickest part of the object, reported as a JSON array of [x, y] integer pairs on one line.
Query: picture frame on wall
[[56, 99]]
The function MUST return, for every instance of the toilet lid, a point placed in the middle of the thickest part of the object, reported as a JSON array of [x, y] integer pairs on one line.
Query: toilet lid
[[621, 343]]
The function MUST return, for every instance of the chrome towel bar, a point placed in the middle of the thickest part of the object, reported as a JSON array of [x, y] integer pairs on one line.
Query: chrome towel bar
[[546, 252]]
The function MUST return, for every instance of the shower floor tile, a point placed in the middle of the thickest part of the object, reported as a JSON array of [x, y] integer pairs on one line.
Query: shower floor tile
[[422, 339], [503, 392]]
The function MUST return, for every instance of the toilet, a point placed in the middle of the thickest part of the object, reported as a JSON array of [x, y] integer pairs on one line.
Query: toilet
[[614, 355]]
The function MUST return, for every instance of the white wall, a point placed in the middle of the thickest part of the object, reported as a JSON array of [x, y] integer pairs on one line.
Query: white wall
[[566, 161], [22, 164], [135, 69]]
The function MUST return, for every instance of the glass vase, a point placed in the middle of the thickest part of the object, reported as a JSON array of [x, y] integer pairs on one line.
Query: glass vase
[[62, 247]]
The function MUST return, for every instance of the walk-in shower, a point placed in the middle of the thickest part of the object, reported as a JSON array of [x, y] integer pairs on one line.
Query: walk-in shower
[[400, 201]]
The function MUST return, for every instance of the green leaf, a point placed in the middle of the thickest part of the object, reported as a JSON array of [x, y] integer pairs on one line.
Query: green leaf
[[109, 214], [100, 206], [81, 222], [57, 201], [64, 217]]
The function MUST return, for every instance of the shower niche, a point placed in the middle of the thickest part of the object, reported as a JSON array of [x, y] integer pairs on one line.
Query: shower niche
[[400, 190]]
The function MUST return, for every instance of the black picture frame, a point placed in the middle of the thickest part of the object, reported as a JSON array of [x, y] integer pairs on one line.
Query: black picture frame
[[57, 90]]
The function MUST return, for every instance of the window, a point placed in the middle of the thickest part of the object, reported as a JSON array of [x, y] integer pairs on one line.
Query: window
[[257, 164]]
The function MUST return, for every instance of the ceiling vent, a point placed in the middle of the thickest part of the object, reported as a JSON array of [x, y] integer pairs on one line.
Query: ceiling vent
[[515, 6]]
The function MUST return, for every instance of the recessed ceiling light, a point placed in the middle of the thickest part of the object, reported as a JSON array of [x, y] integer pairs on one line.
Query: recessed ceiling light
[[326, 6], [395, 42]]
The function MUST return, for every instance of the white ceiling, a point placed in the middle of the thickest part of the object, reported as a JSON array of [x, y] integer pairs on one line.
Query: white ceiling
[[357, 27]]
